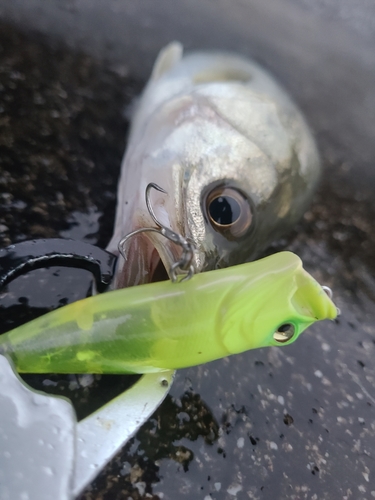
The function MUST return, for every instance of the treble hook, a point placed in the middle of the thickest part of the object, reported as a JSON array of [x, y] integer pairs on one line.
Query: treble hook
[[184, 264]]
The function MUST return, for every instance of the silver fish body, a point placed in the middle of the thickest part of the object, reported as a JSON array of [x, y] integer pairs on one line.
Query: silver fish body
[[231, 149]]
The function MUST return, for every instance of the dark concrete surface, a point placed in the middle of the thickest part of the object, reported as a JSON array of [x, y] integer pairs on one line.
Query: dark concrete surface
[[290, 423]]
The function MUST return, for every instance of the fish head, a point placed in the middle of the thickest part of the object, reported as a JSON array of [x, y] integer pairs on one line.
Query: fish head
[[236, 173], [273, 305]]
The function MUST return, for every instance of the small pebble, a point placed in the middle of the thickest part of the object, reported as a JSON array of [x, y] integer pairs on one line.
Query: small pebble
[[240, 442]]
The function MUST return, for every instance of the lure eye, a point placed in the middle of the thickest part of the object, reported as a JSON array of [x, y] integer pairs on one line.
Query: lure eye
[[284, 333], [228, 211]]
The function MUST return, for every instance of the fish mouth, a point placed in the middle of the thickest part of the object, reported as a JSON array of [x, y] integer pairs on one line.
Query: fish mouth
[[159, 263], [149, 259], [159, 271]]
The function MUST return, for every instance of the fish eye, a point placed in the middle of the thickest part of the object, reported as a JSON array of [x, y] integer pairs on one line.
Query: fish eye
[[228, 211], [284, 333]]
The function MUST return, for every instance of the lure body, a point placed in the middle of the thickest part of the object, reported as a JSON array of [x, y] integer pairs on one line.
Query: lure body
[[208, 122], [164, 326]]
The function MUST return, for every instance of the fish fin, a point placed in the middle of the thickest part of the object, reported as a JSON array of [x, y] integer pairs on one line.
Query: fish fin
[[168, 57]]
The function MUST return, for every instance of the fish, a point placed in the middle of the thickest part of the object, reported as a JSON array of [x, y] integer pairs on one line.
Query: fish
[[233, 153], [163, 326]]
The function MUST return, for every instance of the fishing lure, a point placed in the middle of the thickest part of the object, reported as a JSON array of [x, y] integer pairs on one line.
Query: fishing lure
[[162, 326]]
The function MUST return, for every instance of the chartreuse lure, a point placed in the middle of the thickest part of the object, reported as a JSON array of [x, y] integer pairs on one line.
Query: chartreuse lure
[[161, 326]]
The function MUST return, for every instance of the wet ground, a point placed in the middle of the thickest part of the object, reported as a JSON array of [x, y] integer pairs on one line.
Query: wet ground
[[296, 422]]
